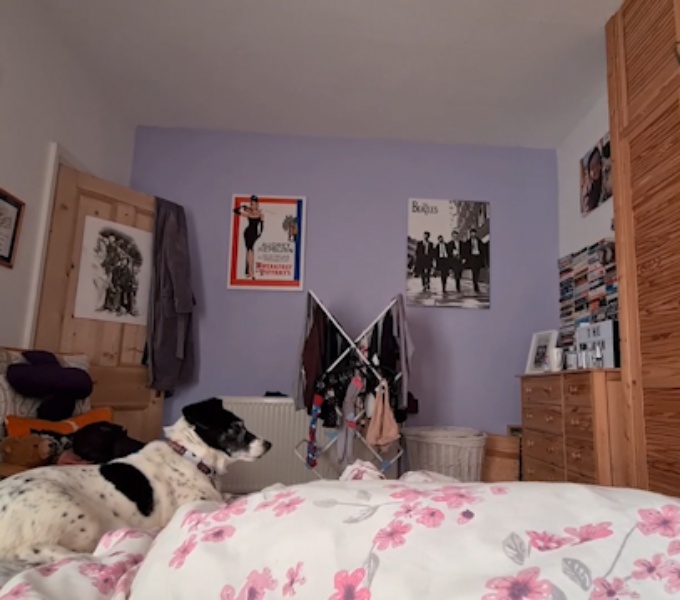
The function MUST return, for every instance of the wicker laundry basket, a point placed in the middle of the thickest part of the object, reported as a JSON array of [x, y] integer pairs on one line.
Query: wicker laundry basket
[[454, 451]]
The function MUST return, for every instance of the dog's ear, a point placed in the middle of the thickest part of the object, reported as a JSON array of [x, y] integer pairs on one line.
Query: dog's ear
[[204, 414]]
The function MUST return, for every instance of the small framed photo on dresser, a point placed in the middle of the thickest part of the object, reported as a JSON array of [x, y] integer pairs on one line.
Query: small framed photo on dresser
[[11, 214], [543, 344]]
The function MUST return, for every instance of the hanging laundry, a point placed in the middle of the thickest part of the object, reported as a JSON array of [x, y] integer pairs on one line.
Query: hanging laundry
[[382, 430]]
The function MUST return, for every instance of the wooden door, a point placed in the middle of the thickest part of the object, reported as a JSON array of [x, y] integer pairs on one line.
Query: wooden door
[[645, 129], [648, 37], [114, 350]]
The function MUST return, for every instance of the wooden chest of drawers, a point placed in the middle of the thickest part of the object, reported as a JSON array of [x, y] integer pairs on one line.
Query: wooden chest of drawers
[[573, 428]]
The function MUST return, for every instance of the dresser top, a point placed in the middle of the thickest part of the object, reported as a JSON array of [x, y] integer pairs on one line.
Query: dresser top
[[568, 372]]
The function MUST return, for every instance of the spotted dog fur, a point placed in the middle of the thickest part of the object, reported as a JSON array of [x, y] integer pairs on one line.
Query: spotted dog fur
[[53, 512]]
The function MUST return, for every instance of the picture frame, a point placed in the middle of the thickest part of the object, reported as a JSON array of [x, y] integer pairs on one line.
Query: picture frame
[[542, 345], [268, 235], [11, 217]]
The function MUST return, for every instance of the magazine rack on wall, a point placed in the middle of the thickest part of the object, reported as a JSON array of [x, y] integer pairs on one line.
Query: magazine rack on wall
[[353, 359]]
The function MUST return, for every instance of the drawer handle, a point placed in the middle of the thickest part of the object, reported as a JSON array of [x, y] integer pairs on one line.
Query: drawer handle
[[530, 415], [547, 389], [573, 389], [528, 390], [576, 455], [551, 450], [530, 443], [549, 418], [530, 471], [575, 421]]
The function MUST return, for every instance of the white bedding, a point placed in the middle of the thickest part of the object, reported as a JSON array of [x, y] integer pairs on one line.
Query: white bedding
[[387, 540]]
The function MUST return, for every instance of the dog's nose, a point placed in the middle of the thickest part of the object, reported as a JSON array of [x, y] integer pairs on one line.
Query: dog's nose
[[267, 446]]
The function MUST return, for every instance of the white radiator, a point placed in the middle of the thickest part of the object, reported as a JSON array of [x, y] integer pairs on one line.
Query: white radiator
[[275, 419]]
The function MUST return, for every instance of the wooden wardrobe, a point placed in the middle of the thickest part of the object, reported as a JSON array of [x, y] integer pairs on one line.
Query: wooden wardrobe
[[644, 98]]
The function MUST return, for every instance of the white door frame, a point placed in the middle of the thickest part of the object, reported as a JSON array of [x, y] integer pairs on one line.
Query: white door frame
[[56, 155]]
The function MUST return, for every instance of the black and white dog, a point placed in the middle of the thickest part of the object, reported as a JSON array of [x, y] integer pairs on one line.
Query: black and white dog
[[53, 512]]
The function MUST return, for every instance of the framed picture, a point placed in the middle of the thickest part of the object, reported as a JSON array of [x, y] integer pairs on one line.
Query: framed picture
[[114, 275], [267, 247], [448, 250], [542, 345], [11, 214], [596, 176]]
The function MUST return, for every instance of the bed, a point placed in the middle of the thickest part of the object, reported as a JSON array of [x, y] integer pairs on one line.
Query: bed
[[422, 536]]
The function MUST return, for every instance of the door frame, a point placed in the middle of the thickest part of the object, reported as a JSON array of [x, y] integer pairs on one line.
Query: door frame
[[57, 155]]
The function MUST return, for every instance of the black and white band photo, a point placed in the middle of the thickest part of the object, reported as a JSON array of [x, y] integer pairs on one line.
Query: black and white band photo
[[448, 253], [114, 273]]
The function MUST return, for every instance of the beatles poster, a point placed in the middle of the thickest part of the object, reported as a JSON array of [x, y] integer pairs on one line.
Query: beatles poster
[[448, 253], [114, 277], [266, 251]]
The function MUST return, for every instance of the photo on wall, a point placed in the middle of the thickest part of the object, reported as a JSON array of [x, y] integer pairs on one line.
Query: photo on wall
[[448, 253], [596, 176], [114, 277], [266, 249]]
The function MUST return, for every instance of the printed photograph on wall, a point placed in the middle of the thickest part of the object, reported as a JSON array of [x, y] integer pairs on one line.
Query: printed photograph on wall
[[448, 253], [114, 277], [596, 176], [11, 213], [266, 250]]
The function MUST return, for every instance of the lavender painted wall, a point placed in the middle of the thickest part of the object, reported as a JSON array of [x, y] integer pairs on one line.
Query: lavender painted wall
[[357, 190]]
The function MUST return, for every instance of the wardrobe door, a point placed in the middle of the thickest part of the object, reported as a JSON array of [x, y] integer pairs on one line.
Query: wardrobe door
[[649, 36], [654, 149]]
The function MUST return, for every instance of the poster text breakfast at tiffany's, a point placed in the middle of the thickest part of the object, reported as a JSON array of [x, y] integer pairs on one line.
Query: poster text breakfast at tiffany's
[[266, 250]]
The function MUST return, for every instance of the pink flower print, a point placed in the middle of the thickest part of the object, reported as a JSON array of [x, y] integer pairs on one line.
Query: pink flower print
[[284, 494], [181, 553], [233, 509], [52, 568], [193, 520], [650, 569], [18, 592], [670, 571], [392, 536], [348, 586], [588, 533], [407, 510], [124, 584], [498, 490], [104, 577], [524, 585], [293, 578], [665, 522], [605, 590], [430, 517], [544, 541], [674, 547], [408, 495], [287, 506], [465, 517], [456, 497], [255, 587], [266, 504], [218, 534]]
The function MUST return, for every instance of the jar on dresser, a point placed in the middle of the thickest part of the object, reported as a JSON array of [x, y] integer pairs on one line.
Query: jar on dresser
[[574, 428]]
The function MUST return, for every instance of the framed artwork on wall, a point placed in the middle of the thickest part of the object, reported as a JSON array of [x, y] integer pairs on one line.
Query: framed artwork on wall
[[543, 344], [114, 276], [267, 245], [596, 176], [448, 249], [11, 215]]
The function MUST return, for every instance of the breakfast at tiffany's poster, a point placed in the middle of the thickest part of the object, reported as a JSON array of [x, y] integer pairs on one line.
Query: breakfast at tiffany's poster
[[266, 249]]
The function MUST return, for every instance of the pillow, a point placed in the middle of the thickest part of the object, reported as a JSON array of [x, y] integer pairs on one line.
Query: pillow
[[24, 425]]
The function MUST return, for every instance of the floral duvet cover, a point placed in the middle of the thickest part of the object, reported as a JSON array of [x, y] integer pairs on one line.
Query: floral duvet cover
[[388, 540]]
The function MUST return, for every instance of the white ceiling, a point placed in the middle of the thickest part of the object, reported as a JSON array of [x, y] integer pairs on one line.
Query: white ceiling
[[509, 72]]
